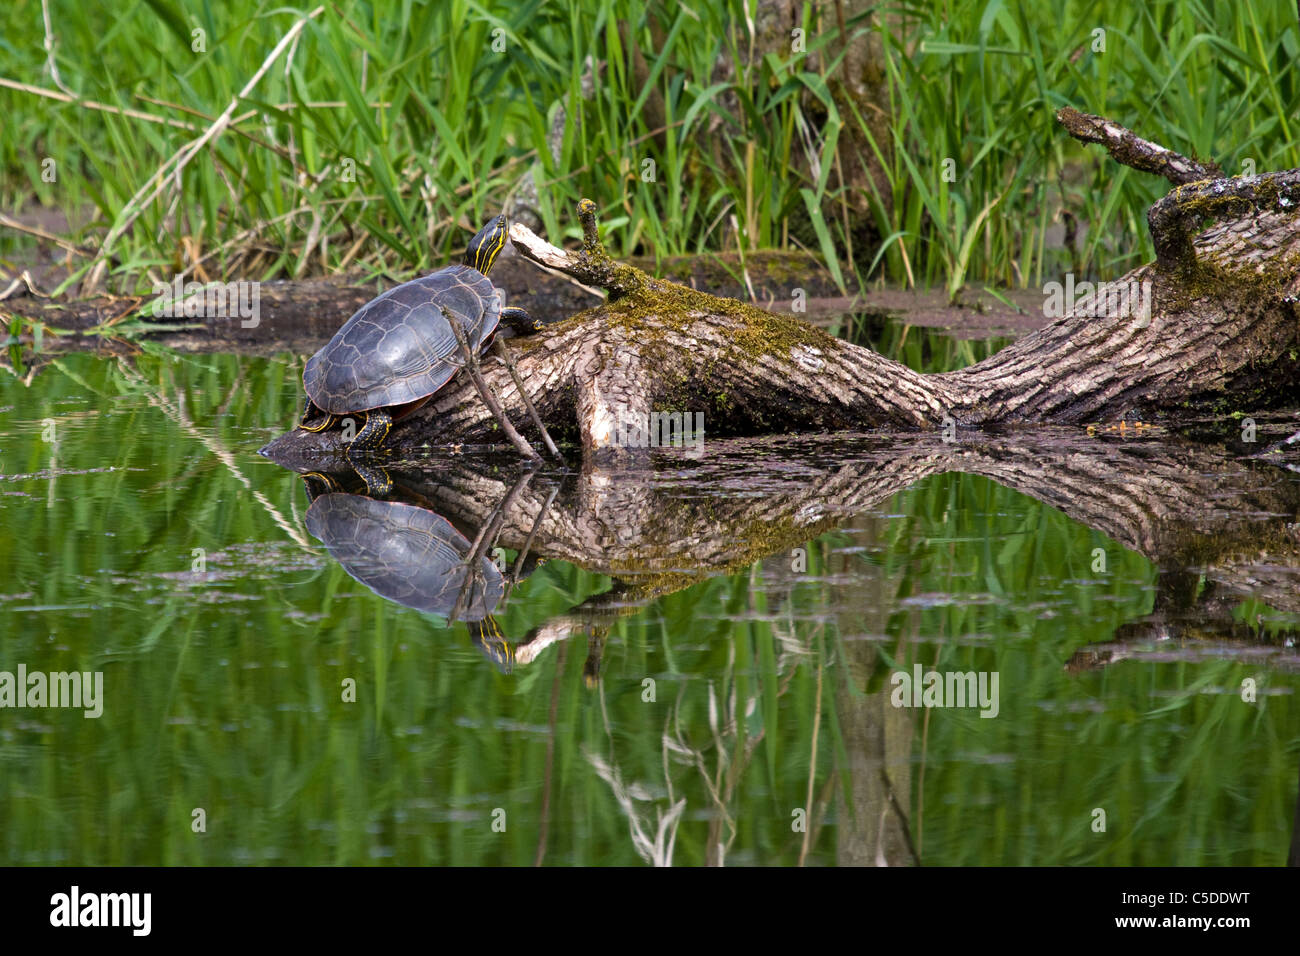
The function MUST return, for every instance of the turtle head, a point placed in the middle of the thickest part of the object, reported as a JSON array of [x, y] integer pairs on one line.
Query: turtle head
[[489, 241], [487, 637]]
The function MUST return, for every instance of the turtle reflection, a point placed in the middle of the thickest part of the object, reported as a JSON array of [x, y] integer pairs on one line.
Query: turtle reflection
[[408, 554]]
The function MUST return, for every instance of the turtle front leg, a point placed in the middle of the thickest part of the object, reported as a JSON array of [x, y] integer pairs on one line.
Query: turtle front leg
[[520, 322], [373, 433], [379, 484], [488, 638], [318, 483], [371, 437]]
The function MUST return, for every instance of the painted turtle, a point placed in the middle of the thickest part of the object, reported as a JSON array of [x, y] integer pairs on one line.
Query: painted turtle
[[411, 556], [399, 348]]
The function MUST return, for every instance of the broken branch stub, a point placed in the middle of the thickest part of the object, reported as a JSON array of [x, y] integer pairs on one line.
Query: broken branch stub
[[1131, 150]]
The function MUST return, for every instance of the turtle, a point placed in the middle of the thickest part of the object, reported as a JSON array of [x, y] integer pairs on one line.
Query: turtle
[[398, 349], [412, 556]]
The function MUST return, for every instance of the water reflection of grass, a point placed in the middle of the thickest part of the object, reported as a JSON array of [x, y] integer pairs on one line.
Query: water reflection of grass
[[1185, 770], [224, 691]]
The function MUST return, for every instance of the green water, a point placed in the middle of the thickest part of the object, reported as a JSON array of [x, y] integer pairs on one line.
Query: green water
[[224, 686]]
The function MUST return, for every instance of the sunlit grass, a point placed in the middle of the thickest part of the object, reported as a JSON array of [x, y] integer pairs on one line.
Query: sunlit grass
[[378, 136], [977, 85]]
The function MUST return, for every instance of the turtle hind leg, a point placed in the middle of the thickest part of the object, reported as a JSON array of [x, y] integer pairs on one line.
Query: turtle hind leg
[[308, 407]]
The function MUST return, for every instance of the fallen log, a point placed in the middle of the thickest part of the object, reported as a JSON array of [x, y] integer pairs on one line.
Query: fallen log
[[1212, 323]]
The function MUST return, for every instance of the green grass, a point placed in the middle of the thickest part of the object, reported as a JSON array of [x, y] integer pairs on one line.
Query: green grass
[[979, 84], [383, 132]]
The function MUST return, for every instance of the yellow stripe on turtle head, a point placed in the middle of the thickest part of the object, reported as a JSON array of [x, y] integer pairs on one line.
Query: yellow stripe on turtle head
[[486, 245]]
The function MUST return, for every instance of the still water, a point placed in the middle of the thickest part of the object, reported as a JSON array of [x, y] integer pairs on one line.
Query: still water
[[695, 661]]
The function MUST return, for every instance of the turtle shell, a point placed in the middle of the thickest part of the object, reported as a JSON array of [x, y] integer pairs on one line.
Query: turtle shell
[[398, 348], [405, 554]]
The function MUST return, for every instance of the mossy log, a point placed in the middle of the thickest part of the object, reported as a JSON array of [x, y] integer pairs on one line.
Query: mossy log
[[1213, 321]]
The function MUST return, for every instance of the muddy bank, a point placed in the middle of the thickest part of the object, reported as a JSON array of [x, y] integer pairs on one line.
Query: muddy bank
[[308, 309], [300, 315]]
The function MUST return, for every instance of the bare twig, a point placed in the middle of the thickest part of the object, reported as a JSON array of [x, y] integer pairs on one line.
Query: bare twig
[[485, 392], [49, 49], [503, 351], [92, 105], [487, 537], [9, 223], [23, 279], [528, 542]]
